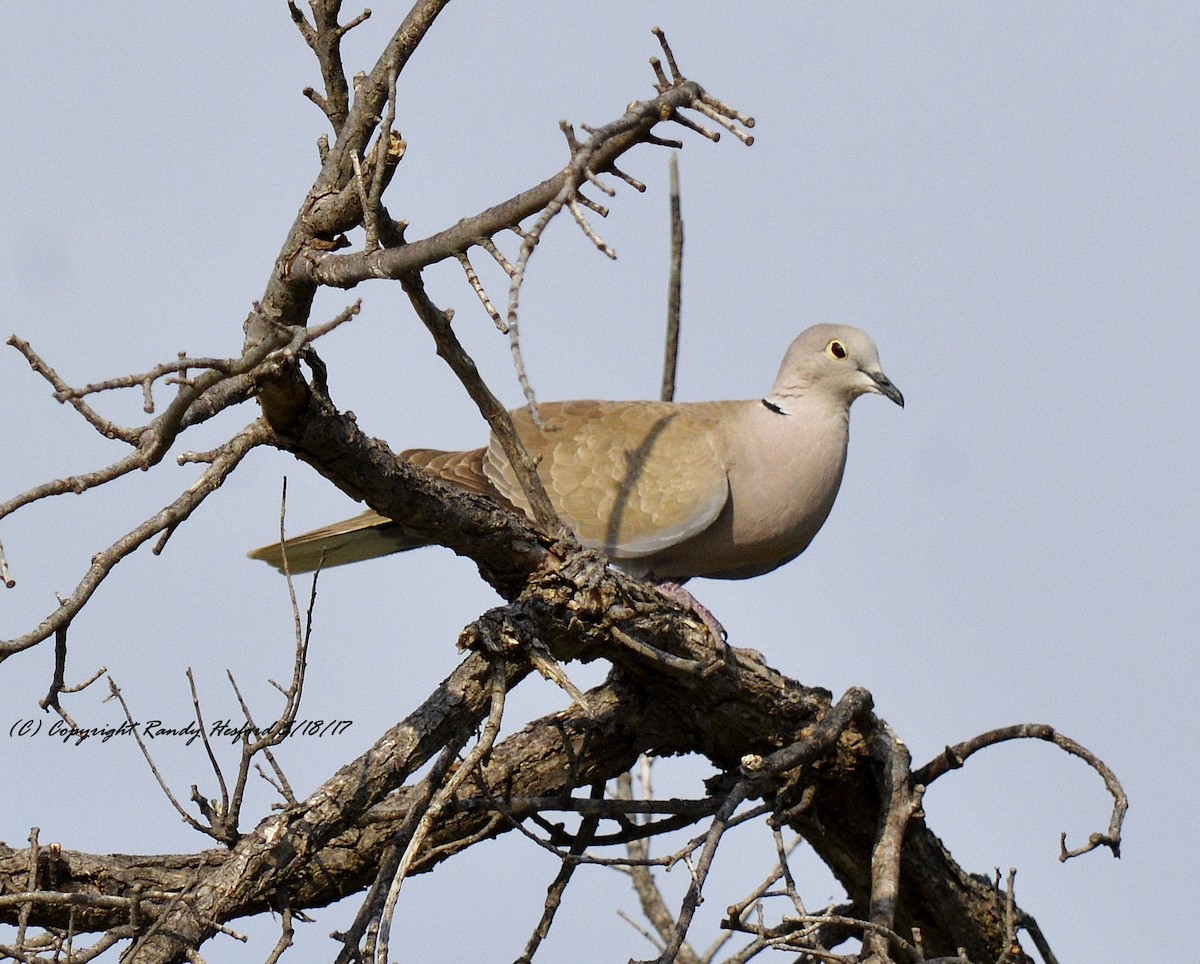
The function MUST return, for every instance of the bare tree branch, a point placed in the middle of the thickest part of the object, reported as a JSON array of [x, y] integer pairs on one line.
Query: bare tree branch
[[954, 757], [674, 288], [490, 407], [596, 155], [170, 515]]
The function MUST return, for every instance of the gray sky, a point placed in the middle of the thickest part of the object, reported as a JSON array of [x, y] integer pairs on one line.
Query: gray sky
[[1004, 195]]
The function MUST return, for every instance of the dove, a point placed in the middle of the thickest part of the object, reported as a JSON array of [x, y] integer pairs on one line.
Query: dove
[[668, 491]]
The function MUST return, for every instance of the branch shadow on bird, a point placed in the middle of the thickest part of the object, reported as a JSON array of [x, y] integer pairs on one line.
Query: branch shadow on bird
[[635, 466]]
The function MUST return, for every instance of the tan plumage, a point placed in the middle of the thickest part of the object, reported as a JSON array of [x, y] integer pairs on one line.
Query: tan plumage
[[719, 489]]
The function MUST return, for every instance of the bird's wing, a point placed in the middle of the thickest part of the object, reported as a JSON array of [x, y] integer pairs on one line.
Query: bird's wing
[[628, 477]]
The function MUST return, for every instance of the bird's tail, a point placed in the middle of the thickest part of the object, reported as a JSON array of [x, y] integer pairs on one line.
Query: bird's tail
[[370, 534], [365, 536]]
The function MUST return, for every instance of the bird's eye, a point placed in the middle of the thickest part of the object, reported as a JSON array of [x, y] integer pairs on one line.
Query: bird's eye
[[836, 349]]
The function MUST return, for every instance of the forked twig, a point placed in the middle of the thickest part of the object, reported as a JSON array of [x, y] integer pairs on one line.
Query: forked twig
[[102, 563]]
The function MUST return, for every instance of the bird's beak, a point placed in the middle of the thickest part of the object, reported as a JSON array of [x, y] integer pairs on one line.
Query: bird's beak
[[886, 388]]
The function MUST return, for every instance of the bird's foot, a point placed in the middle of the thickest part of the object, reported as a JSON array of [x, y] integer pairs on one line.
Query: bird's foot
[[674, 590]]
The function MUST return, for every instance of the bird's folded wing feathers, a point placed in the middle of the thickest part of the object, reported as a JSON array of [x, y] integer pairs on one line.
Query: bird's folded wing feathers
[[464, 469], [630, 478]]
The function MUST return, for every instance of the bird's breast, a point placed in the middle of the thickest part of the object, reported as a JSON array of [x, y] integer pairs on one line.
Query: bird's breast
[[783, 483]]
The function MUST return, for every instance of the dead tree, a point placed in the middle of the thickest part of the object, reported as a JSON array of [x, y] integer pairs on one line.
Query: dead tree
[[791, 757]]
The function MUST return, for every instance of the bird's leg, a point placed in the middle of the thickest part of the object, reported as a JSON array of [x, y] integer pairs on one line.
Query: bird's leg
[[676, 591]]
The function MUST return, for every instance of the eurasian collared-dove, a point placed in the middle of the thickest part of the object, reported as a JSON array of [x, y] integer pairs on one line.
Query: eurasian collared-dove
[[669, 490]]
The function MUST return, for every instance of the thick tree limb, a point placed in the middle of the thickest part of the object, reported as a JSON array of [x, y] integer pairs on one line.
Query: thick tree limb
[[743, 709]]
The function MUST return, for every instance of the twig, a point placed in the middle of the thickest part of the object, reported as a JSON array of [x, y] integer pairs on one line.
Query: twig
[[629, 179], [279, 730], [325, 40], [1012, 950], [821, 736], [489, 246], [650, 937], [31, 886], [481, 293], [552, 670], [654, 907], [735, 915], [899, 802], [389, 148], [676, 73], [221, 819], [597, 155], [366, 921], [198, 400], [636, 831], [700, 129], [5, 577], [674, 287], [716, 830], [255, 434], [721, 109], [179, 808], [583, 838], [603, 246], [1030, 926], [63, 393], [724, 119], [490, 407], [618, 809], [58, 683], [370, 218], [287, 933], [179, 367], [679, 664], [798, 930], [954, 757]]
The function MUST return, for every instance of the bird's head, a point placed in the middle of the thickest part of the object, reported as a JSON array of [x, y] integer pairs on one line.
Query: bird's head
[[834, 362]]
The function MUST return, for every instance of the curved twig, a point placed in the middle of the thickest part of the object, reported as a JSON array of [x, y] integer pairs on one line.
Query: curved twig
[[954, 757]]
